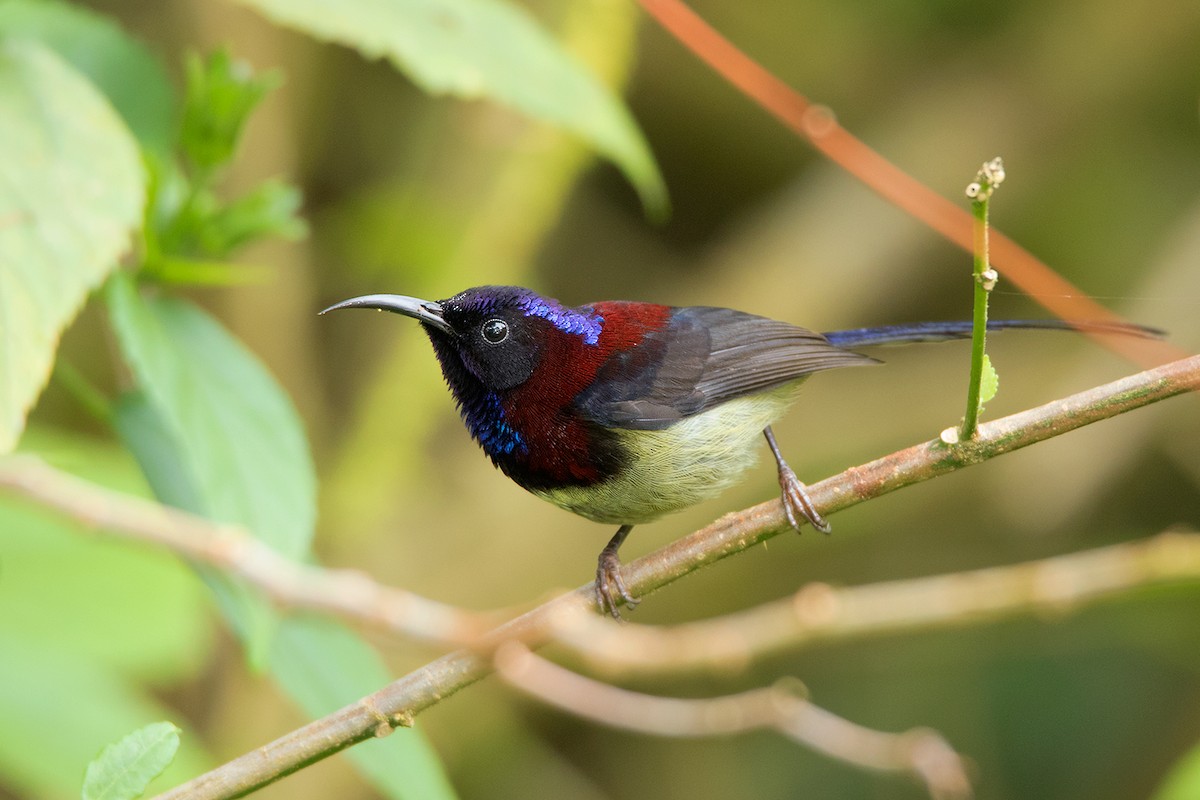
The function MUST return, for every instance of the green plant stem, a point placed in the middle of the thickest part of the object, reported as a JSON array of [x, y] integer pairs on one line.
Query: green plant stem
[[87, 394], [979, 210], [397, 703]]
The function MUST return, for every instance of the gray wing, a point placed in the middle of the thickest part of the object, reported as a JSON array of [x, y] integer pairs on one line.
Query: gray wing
[[704, 357]]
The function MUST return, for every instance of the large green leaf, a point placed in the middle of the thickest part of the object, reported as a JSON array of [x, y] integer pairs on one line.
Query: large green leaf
[[324, 666], [223, 439], [320, 664], [484, 48], [125, 768], [238, 431], [120, 66], [71, 192], [218, 437], [169, 472]]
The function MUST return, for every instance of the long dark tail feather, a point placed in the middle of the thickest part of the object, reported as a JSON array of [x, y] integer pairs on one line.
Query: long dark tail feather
[[941, 331]]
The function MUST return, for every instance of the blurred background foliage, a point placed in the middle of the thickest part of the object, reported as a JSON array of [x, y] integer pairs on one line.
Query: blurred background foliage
[[1093, 106]]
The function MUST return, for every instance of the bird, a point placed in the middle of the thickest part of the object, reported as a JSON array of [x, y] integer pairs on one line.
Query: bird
[[623, 411]]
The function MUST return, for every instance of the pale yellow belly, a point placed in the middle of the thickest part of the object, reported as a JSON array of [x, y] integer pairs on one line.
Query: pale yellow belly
[[694, 459]]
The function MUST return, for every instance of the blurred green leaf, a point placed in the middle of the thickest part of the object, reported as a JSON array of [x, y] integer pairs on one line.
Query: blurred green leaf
[[156, 449], [71, 192], [231, 430], [268, 209], [119, 65], [321, 665], [167, 470], [242, 458], [485, 49], [125, 768], [189, 227], [989, 382], [324, 666], [237, 428], [221, 93], [168, 193], [1183, 781], [137, 611], [57, 711], [203, 227]]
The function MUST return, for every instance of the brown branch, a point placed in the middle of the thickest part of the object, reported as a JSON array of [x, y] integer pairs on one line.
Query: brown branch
[[921, 752], [401, 700], [345, 593], [817, 125], [822, 613]]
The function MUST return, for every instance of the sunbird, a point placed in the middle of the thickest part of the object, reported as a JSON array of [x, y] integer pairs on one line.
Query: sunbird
[[624, 411]]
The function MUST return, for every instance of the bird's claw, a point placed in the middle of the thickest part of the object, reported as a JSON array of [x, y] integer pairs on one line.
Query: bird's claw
[[608, 575], [797, 504]]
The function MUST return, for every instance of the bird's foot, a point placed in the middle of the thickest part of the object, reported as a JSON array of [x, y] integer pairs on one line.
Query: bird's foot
[[608, 576], [796, 502]]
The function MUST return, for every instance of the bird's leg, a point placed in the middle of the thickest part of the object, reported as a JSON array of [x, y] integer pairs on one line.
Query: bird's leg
[[608, 575], [796, 502]]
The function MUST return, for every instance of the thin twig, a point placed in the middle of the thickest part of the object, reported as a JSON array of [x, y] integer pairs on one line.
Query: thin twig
[[818, 126], [344, 593], [402, 699], [921, 752], [822, 613]]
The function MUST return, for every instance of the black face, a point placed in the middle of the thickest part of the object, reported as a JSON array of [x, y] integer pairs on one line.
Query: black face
[[495, 339]]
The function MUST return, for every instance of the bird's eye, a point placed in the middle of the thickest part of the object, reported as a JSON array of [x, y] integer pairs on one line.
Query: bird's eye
[[495, 331]]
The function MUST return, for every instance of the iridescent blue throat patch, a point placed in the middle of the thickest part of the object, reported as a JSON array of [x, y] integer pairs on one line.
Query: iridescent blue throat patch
[[490, 428]]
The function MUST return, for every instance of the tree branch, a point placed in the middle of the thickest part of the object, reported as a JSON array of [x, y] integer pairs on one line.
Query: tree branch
[[345, 593], [401, 700], [921, 752], [822, 613], [817, 125]]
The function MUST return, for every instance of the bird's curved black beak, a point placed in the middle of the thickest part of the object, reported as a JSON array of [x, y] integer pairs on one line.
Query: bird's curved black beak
[[425, 311]]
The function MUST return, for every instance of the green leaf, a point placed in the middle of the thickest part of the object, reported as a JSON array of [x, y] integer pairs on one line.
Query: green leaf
[[71, 193], [484, 49], [125, 768], [237, 441], [268, 209], [237, 428], [1183, 781], [56, 712], [221, 93], [215, 435], [209, 230], [321, 665], [136, 611], [325, 666], [157, 451], [989, 382], [167, 470], [120, 66]]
